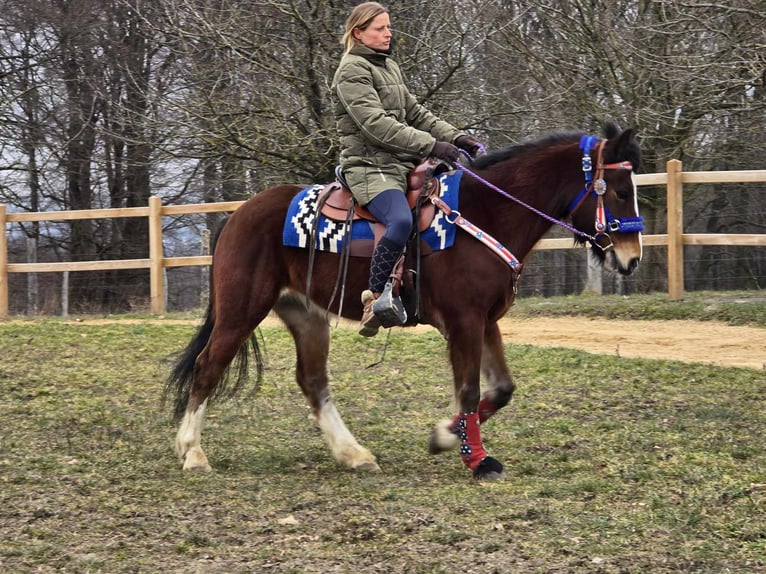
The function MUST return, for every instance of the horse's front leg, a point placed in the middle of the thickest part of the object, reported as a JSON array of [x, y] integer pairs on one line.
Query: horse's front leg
[[466, 351], [499, 390]]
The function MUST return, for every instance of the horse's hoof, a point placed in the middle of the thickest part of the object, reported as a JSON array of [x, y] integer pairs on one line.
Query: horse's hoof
[[489, 469], [199, 468], [196, 461], [442, 438], [367, 466]]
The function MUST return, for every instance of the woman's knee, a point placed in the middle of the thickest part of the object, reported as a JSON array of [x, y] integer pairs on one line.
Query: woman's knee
[[391, 208], [398, 229]]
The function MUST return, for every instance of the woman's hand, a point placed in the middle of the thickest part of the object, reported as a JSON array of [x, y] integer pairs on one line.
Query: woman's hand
[[469, 144], [445, 151]]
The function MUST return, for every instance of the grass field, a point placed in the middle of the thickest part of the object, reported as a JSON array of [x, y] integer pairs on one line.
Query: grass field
[[613, 465]]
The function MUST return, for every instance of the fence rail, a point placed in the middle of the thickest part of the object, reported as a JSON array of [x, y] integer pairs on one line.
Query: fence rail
[[675, 238]]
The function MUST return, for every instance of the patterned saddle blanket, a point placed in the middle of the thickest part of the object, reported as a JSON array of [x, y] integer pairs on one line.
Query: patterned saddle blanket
[[331, 233]]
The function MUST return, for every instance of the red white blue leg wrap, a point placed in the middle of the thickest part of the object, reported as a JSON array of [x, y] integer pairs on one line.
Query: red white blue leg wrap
[[486, 410], [471, 448]]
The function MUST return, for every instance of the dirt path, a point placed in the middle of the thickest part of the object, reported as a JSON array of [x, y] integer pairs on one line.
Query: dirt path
[[688, 341]]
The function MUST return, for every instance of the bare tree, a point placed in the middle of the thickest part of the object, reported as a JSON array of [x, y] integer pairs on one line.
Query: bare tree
[[683, 72], [104, 103]]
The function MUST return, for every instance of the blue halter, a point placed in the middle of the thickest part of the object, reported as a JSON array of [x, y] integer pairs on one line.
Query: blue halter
[[605, 221]]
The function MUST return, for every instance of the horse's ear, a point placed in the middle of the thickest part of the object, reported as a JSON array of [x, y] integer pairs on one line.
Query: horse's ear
[[625, 147], [624, 139], [611, 129]]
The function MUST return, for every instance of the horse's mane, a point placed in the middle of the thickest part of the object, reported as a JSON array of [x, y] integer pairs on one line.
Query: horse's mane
[[611, 130], [517, 150]]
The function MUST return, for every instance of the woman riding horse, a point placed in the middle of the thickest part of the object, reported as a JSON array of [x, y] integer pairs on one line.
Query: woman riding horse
[[384, 133], [514, 194]]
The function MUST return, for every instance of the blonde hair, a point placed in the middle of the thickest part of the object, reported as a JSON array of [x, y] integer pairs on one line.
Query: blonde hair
[[361, 17]]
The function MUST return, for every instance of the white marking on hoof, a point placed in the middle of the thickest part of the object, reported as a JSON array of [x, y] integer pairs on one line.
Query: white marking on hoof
[[368, 466], [442, 438], [346, 450], [188, 440], [196, 461]]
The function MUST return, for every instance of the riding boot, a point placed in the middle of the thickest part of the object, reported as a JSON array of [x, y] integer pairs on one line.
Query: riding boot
[[383, 260], [370, 323]]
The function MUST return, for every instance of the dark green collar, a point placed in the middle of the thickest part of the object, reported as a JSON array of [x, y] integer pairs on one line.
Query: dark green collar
[[377, 58]]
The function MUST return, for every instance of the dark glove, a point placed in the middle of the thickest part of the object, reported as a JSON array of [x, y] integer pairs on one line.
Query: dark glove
[[469, 144], [445, 151]]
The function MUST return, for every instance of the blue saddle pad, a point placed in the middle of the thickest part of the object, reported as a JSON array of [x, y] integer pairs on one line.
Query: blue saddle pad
[[330, 234]]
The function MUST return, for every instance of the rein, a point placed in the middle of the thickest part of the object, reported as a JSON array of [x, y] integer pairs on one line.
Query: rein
[[605, 222], [545, 216]]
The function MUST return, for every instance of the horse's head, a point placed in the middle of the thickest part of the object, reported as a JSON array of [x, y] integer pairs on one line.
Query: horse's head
[[607, 207]]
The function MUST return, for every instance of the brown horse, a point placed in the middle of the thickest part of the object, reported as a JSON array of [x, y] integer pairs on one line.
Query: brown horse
[[513, 194]]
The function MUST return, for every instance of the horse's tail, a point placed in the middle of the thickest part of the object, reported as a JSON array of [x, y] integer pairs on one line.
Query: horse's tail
[[181, 377]]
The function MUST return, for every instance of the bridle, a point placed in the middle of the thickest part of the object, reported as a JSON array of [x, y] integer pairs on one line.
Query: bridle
[[605, 223]]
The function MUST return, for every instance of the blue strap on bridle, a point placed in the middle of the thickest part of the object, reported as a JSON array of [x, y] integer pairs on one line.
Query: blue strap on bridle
[[586, 145], [624, 224]]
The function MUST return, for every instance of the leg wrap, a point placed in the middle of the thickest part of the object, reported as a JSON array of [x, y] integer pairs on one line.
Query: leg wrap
[[471, 448], [486, 409]]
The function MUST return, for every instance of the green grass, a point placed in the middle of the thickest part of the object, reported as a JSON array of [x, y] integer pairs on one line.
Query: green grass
[[734, 308], [613, 465]]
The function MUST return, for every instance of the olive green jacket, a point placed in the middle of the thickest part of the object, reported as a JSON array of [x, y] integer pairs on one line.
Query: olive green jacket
[[384, 131]]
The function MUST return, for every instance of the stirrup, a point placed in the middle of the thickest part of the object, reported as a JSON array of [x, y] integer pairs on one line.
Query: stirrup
[[389, 309]]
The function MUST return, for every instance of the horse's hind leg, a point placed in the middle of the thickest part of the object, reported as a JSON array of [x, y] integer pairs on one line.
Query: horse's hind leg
[[209, 367], [311, 332], [499, 386], [188, 440]]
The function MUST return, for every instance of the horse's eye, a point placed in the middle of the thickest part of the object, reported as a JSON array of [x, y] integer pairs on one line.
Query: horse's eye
[[624, 193]]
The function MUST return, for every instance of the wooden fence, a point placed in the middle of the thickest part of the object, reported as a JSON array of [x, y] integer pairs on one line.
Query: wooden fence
[[674, 239]]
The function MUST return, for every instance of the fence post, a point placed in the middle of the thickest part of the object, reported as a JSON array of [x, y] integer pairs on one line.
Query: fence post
[[156, 279], [3, 265], [675, 230], [65, 294]]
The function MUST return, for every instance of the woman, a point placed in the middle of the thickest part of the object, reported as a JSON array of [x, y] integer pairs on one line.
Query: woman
[[384, 133]]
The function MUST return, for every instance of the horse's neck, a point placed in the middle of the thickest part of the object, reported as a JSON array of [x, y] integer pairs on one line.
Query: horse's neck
[[516, 226]]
